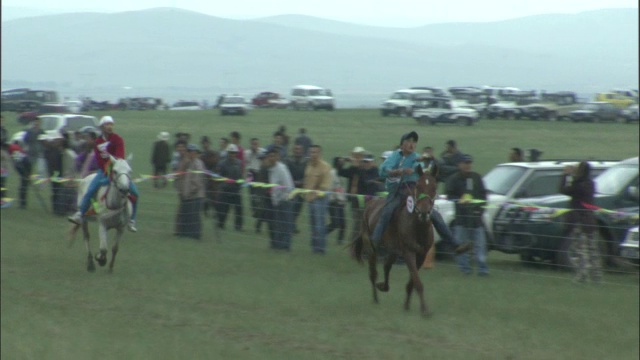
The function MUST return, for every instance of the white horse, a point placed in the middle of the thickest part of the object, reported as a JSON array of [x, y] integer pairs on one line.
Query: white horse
[[113, 211]]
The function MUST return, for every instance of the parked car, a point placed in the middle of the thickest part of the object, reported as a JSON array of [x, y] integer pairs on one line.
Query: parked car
[[402, 102], [311, 97], [631, 114], [186, 105], [74, 106], [268, 99], [511, 182], [535, 229], [629, 246], [53, 123], [617, 99], [596, 112], [233, 105], [434, 110], [551, 107]]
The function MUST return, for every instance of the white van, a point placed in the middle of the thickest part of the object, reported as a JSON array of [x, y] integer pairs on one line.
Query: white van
[[312, 98]]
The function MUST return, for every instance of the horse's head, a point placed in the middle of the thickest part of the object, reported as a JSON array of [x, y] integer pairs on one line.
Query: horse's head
[[426, 191], [121, 175]]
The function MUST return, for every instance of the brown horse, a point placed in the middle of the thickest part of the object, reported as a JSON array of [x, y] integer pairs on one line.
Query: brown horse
[[409, 234]]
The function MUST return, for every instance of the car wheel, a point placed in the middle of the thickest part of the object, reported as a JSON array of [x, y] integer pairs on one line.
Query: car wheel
[[621, 120], [509, 115], [423, 120], [384, 113], [551, 116], [402, 112]]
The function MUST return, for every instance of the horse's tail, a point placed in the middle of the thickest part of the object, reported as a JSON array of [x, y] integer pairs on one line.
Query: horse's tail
[[356, 247]]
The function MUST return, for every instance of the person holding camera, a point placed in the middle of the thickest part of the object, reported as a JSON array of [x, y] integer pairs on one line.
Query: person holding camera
[[581, 221]]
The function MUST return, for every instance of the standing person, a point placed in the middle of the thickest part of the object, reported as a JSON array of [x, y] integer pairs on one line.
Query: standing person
[[21, 163], [582, 222], [285, 139], [86, 162], [4, 148], [467, 190], [279, 141], [231, 169], [210, 160], [223, 144], [264, 205], [337, 201], [398, 169], [317, 179], [297, 163], [304, 140], [32, 146], [191, 190], [160, 158], [109, 143], [451, 156], [253, 160], [515, 155], [282, 217], [360, 176], [52, 148], [234, 137], [179, 153]]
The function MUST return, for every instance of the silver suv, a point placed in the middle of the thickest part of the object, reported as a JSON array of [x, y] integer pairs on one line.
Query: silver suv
[[511, 181], [436, 110], [403, 102]]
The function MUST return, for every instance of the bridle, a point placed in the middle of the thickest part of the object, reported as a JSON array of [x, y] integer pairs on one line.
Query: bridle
[[422, 215], [117, 176]]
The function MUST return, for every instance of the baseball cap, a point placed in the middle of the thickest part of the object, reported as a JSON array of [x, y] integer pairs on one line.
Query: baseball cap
[[262, 154], [368, 157], [232, 148], [273, 149], [358, 150], [163, 135], [193, 147], [466, 158], [410, 135], [106, 120]]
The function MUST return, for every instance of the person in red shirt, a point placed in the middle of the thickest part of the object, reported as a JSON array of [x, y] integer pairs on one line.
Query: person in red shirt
[[109, 143]]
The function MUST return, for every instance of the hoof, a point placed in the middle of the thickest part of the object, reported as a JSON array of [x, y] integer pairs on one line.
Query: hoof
[[91, 268], [427, 314], [102, 258], [382, 287]]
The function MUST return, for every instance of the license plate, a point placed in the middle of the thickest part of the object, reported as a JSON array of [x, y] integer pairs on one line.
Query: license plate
[[630, 253]]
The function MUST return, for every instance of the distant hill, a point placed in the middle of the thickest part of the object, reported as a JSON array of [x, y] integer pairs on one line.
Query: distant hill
[[191, 55]]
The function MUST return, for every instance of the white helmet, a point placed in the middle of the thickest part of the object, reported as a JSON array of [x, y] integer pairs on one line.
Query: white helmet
[[106, 120]]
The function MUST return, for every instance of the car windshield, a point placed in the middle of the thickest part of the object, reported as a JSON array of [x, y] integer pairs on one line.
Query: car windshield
[[319, 92], [49, 123], [502, 178], [233, 100], [616, 178], [400, 95], [77, 123]]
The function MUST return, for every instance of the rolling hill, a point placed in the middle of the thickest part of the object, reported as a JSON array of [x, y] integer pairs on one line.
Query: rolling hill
[[177, 53]]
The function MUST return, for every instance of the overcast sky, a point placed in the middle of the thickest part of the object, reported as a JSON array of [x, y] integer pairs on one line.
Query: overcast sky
[[373, 12]]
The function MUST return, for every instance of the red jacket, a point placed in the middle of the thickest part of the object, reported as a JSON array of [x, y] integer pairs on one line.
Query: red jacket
[[115, 147]]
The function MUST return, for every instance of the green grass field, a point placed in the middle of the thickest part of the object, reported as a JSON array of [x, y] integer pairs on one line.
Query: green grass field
[[232, 298]]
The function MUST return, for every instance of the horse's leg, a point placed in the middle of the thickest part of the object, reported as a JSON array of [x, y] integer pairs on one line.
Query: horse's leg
[[414, 279], [114, 250], [102, 257], [388, 263], [91, 267], [373, 274]]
